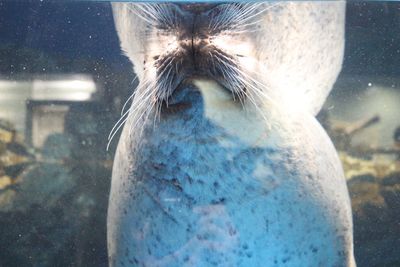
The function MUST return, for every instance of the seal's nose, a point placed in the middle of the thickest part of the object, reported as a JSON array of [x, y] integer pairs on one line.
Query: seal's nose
[[197, 8]]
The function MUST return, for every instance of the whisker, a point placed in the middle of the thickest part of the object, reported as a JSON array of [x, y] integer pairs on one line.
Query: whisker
[[129, 98]]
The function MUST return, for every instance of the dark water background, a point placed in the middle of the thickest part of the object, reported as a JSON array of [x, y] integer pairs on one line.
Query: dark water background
[[65, 223]]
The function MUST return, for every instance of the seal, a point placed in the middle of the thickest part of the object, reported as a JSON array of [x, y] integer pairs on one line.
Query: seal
[[221, 161]]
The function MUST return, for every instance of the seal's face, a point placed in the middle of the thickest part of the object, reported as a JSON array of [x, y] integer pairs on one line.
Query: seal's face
[[266, 54], [194, 40]]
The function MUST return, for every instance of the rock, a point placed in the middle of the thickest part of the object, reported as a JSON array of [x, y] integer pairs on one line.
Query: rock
[[56, 215], [376, 205]]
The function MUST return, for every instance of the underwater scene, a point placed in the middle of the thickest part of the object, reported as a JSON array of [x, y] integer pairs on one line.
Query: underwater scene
[[183, 134]]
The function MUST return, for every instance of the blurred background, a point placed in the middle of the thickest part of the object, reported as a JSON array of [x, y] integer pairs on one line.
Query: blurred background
[[63, 82]]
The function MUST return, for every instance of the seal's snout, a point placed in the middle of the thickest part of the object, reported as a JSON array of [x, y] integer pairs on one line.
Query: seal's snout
[[187, 41], [195, 51]]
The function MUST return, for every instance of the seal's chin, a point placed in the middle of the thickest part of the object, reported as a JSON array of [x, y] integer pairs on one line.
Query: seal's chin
[[194, 80]]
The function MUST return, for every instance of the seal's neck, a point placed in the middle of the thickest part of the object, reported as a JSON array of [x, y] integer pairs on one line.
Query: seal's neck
[[255, 124]]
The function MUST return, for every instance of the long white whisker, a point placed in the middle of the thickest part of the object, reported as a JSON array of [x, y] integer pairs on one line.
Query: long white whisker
[[129, 98], [128, 113]]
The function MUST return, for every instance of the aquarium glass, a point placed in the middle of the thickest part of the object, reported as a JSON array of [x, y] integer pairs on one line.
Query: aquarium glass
[[64, 82]]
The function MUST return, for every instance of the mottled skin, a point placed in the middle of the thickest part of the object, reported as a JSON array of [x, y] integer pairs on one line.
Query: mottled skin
[[214, 184], [189, 193]]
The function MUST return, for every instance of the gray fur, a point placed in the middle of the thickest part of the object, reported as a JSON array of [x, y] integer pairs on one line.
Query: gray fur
[[219, 184]]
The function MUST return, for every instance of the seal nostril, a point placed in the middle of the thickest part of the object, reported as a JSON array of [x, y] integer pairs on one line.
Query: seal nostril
[[197, 8]]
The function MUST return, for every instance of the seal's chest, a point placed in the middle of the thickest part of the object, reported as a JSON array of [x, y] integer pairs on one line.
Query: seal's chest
[[208, 197]]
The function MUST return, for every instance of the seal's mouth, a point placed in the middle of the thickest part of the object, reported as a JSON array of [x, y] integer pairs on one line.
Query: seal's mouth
[[198, 59]]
